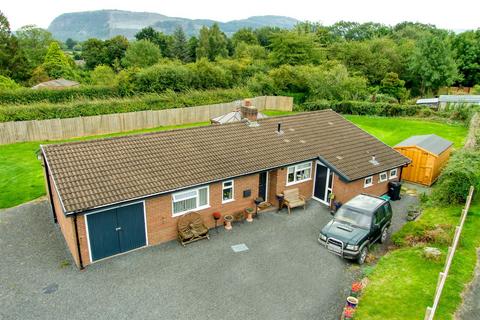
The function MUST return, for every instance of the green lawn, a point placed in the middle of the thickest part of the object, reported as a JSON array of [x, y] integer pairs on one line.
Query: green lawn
[[393, 130], [403, 283], [21, 174], [21, 177]]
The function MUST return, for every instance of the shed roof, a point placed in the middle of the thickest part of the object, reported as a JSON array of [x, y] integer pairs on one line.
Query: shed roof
[[57, 83], [97, 173], [430, 142], [427, 101], [465, 98]]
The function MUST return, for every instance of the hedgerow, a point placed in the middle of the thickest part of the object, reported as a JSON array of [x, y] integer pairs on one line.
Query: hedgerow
[[363, 108], [82, 108]]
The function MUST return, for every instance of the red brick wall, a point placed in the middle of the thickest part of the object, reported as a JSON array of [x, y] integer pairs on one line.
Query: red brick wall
[[161, 226], [345, 191], [278, 183], [66, 224]]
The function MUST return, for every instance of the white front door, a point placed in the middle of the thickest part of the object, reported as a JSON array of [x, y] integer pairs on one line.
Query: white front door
[[323, 183]]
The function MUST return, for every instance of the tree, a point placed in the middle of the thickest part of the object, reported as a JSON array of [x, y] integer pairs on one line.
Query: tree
[[56, 63], [393, 86], [432, 64], [359, 32], [192, 48], [70, 43], [34, 42], [103, 75], [245, 35], [212, 43], [93, 53], [292, 48], [180, 48], [141, 53], [163, 41], [114, 50], [265, 35], [13, 62], [466, 48]]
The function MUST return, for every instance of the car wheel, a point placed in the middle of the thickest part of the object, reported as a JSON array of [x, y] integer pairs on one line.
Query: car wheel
[[363, 255], [384, 236]]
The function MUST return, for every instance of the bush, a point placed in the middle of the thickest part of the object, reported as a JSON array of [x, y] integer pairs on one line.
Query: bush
[[27, 96], [167, 100], [161, 77], [363, 108], [103, 75], [8, 84], [461, 172]]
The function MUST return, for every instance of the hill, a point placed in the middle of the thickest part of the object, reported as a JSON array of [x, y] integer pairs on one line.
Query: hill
[[104, 24]]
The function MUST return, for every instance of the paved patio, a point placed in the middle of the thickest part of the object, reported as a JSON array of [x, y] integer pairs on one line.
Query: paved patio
[[285, 274]]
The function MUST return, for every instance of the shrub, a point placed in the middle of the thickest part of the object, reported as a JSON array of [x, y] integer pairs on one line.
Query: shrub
[[161, 77], [208, 75], [8, 84], [167, 100], [27, 96], [363, 108], [461, 172], [103, 75]]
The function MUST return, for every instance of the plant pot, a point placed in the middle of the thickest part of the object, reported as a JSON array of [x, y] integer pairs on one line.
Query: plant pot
[[352, 302], [249, 215], [228, 222]]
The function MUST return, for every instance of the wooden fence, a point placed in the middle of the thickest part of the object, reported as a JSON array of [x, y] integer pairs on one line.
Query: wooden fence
[[59, 129], [430, 312]]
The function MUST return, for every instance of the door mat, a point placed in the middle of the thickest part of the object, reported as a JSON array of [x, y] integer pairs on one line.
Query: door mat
[[240, 247]]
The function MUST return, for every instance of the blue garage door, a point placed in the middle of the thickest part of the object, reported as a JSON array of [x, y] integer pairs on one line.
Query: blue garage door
[[117, 230]]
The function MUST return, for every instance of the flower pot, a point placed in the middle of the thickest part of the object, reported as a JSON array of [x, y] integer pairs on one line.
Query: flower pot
[[228, 222], [352, 302], [249, 214]]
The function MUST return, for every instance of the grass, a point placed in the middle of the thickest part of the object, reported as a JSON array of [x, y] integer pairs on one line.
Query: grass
[[403, 283], [21, 175], [393, 130]]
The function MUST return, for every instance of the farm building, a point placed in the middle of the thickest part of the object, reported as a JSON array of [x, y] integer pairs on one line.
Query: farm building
[[429, 154]]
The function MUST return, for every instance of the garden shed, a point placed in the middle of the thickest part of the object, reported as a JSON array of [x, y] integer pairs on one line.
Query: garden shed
[[429, 154]]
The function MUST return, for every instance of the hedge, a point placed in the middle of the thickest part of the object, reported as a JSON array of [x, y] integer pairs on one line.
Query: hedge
[[363, 108], [167, 100], [27, 96]]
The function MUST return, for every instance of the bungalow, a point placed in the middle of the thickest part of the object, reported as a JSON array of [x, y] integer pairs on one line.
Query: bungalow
[[113, 195]]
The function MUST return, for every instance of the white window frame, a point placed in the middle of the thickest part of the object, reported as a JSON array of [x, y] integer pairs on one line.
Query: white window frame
[[396, 173], [197, 197], [295, 169], [365, 184], [230, 187], [380, 177]]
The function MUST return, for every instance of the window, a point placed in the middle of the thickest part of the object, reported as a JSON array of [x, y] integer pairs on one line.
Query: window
[[299, 173], [227, 191], [193, 199], [393, 173], [382, 177], [368, 182]]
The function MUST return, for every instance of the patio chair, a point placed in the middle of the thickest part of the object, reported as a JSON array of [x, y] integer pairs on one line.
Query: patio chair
[[191, 228], [293, 199]]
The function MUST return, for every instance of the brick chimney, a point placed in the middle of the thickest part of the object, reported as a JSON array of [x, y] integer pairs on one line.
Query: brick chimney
[[248, 111]]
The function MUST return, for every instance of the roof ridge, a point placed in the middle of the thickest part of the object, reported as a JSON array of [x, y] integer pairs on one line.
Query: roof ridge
[[160, 132]]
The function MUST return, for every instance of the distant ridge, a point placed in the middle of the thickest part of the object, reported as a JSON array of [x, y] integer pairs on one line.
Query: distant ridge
[[104, 24]]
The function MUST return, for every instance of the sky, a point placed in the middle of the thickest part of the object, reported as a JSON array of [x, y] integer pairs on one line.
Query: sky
[[453, 15]]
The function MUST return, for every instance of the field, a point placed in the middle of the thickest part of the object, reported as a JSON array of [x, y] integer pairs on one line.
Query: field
[[21, 176]]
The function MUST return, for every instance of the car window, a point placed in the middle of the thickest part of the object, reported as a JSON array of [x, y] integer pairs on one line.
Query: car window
[[379, 215], [388, 208], [353, 217]]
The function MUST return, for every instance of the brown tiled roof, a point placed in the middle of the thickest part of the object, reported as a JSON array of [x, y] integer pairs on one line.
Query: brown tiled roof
[[100, 172]]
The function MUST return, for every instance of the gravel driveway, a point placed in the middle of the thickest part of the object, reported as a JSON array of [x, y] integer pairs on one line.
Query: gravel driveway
[[285, 274]]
